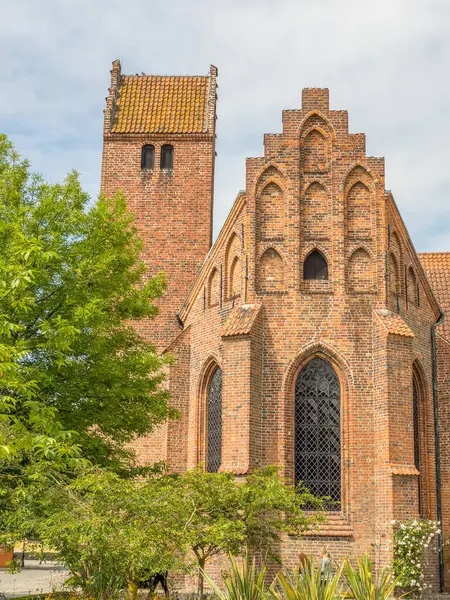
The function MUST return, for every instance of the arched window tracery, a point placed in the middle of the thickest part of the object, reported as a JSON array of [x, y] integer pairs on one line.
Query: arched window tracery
[[214, 422], [317, 452], [417, 430]]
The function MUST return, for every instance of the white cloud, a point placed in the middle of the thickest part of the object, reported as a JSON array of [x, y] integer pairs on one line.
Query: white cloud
[[387, 63]]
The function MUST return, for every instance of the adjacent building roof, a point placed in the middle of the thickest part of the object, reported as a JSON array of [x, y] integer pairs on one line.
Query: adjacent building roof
[[240, 320], [437, 268], [394, 323], [161, 104]]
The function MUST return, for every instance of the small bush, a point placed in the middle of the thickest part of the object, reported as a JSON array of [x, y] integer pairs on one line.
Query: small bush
[[242, 582], [411, 538], [310, 584], [364, 584]]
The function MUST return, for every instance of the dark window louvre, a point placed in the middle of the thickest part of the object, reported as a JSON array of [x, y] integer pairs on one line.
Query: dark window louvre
[[315, 266], [166, 157], [318, 431], [148, 157], [214, 422]]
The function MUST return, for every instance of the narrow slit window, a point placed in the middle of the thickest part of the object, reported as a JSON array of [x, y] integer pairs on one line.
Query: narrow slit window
[[167, 157], [214, 422], [148, 157], [416, 430], [315, 266]]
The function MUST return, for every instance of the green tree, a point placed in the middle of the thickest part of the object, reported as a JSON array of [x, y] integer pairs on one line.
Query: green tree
[[76, 377], [113, 532], [78, 382], [230, 516]]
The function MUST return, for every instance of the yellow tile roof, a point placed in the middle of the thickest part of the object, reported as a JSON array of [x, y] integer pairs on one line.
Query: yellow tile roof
[[437, 268], [161, 104], [394, 323], [240, 320]]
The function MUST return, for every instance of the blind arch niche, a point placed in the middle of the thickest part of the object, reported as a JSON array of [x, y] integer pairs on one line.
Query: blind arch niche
[[317, 419]]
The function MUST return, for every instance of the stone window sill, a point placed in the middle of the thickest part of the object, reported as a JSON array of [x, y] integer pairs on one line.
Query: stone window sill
[[336, 525], [308, 288]]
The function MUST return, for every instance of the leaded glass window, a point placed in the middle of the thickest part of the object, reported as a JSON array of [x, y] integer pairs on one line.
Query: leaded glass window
[[416, 425], [416, 429], [318, 431], [214, 422]]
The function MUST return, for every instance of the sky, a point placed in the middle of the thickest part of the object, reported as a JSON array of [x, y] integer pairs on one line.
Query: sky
[[386, 62]]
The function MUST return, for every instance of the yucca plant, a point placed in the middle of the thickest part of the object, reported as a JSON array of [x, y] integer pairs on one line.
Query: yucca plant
[[311, 584], [363, 584], [245, 582]]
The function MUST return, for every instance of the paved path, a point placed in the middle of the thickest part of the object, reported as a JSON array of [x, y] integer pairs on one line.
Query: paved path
[[33, 579]]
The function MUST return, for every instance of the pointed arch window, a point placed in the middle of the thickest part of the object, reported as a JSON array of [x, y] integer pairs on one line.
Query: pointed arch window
[[317, 446], [166, 157], [148, 157], [315, 266], [214, 422], [416, 430]]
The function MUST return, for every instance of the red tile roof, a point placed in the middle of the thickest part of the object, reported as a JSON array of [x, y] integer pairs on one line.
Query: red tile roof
[[437, 268], [394, 323], [240, 320], [397, 469], [161, 104]]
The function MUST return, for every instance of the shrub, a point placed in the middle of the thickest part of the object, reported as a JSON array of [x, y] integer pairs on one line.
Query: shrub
[[242, 582], [311, 584], [411, 538], [365, 585]]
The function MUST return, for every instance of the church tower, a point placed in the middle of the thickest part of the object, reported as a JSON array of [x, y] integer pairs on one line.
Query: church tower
[[159, 150]]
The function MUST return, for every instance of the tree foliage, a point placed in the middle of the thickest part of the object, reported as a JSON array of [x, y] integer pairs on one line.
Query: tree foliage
[[112, 532], [77, 381], [231, 516], [73, 368]]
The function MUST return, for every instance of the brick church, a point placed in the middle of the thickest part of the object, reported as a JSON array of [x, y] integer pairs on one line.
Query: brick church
[[310, 334]]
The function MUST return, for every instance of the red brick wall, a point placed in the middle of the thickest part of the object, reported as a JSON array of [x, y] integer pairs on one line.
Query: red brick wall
[[335, 319], [173, 207], [173, 213], [443, 353]]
